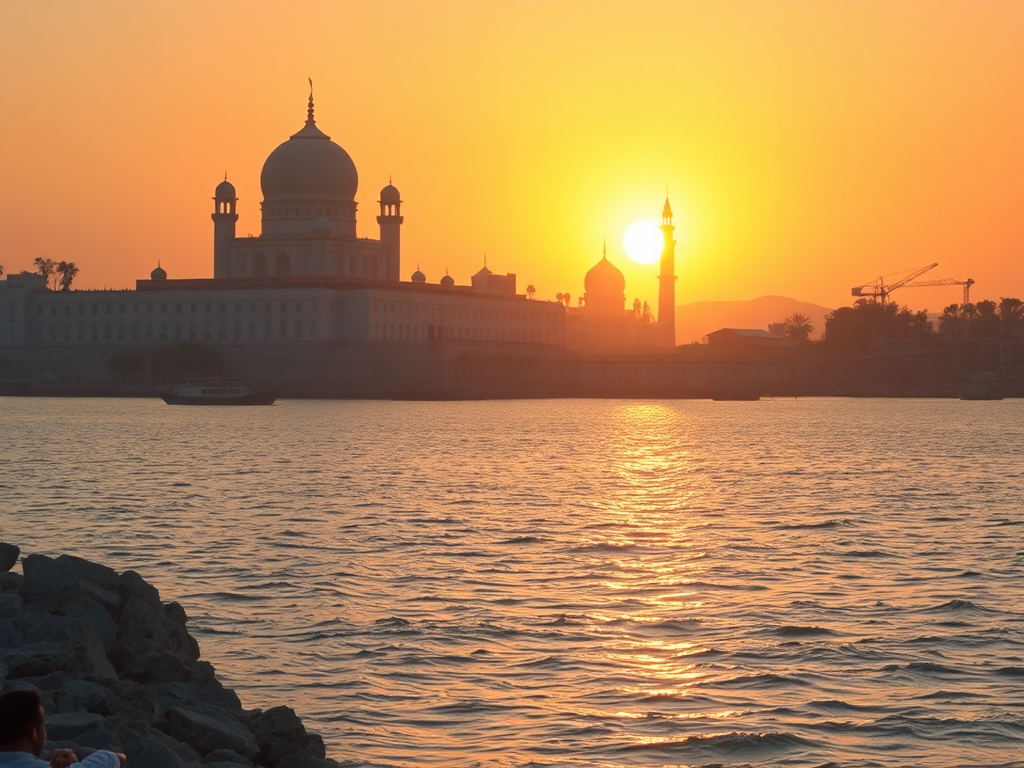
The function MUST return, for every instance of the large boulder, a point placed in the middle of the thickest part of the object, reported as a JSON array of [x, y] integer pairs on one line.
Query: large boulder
[[8, 556], [205, 733], [70, 725], [94, 573], [47, 586], [279, 732]]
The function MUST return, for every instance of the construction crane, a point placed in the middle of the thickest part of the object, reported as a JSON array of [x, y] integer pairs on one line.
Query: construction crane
[[879, 291], [945, 281]]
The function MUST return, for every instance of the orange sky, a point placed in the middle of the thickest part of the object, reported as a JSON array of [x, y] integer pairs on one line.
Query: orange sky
[[809, 146]]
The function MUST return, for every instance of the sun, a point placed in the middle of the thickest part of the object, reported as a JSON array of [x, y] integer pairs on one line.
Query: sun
[[643, 242]]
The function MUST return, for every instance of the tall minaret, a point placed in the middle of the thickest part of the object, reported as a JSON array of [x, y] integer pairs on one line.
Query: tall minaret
[[667, 289], [390, 221], [224, 218]]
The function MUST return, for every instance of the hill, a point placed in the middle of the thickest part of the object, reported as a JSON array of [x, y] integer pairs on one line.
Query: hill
[[695, 321]]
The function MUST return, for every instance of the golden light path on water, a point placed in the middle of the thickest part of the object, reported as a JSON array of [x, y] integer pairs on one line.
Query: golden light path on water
[[608, 583]]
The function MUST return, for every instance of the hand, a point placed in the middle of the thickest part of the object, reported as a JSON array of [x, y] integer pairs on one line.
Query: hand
[[62, 758], [122, 758]]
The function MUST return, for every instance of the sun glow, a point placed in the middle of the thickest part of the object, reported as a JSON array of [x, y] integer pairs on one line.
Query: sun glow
[[643, 242]]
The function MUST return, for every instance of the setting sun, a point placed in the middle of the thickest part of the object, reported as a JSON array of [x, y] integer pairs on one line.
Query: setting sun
[[643, 242]]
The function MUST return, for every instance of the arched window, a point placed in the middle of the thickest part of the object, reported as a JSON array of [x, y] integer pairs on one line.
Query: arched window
[[259, 265], [283, 266]]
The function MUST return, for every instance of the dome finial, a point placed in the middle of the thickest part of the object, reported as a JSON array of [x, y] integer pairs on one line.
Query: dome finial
[[309, 112], [225, 175], [604, 249]]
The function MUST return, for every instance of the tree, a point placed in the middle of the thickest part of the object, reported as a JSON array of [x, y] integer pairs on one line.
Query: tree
[[1011, 313], [851, 329], [1, 269], [986, 322], [47, 268], [67, 271], [798, 326]]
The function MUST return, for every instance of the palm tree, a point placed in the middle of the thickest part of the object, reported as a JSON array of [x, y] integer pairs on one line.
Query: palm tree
[[798, 326], [47, 268], [567, 299], [67, 272]]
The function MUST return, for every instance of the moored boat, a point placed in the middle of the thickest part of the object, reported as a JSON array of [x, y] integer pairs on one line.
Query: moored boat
[[217, 391]]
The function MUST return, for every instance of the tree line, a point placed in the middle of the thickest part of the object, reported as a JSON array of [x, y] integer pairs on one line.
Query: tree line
[[852, 328]]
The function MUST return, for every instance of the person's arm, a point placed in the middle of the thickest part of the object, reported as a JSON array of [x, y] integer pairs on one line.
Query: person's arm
[[103, 758]]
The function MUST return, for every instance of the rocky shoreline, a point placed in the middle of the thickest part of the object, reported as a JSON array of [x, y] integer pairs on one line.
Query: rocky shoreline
[[118, 670]]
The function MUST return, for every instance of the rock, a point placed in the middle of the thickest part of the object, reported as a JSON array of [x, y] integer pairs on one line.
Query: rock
[[152, 754], [110, 599], [94, 573], [280, 732], [70, 725], [130, 585], [8, 556], [47, 586], [38, 659], [10, 582], [143, 629], [225, 756], [101, 738], [205, 734], [11, 604]]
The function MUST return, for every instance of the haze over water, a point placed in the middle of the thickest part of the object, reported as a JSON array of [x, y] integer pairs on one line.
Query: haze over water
[[787, 582]]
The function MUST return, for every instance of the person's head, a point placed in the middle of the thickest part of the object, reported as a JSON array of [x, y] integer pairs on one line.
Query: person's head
[[22, 721]]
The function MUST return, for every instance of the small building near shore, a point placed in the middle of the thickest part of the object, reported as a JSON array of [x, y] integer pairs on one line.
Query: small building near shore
[[745, 340]]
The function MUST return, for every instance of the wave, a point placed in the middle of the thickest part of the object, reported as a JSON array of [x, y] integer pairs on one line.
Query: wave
[[792, 630], [726, 743], [957, 605]]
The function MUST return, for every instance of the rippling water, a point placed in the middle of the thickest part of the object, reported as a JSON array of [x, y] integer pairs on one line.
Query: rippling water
[[588, 582]]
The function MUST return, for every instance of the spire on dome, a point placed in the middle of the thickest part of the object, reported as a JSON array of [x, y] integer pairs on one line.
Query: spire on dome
[[604, 249], [309, 112]]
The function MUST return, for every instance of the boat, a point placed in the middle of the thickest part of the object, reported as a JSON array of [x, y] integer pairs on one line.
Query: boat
[[221, 390], [982, 386]]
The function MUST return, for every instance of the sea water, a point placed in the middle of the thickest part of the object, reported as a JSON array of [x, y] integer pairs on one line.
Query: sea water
[[569, 582]]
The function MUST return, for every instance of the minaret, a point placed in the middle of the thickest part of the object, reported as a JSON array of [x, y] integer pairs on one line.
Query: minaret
[[667, 289], [390, 221], [224, 218]]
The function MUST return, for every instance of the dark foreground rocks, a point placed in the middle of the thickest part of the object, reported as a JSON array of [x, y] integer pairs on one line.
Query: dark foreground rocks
[[118, 670]]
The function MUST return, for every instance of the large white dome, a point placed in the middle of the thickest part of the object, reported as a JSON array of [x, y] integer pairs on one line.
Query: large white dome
[[309, 167]]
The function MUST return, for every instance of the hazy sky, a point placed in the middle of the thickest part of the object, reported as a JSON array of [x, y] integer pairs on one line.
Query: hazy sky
[[808, 146]]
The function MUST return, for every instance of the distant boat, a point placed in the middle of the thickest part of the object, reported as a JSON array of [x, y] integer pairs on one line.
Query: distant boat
[[982, 386], [220, 390], [736, 392]]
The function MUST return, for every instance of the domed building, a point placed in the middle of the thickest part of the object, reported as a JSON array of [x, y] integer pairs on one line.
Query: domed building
[[602, 324], [605, 295], [309, 186]]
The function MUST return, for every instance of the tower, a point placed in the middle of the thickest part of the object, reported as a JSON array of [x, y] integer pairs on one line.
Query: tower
[[224, 218], [667, 278], [390, 221]]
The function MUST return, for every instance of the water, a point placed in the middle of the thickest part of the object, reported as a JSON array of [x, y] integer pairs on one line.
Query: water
[[610, 583]]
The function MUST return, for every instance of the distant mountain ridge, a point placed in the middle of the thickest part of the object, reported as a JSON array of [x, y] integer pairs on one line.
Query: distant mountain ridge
[[695, 321]]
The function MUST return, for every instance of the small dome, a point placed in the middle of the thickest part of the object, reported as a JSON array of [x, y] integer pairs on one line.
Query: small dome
[[604, 280], [225, 190], [390, 195], [321, 226], [158, 274], [419, 277], [447, 281]]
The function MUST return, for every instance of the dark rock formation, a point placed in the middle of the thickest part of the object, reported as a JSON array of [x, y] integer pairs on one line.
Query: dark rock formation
[[118, 670]]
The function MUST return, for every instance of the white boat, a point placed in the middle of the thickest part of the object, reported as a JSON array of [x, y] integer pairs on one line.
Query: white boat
[[221, 390]]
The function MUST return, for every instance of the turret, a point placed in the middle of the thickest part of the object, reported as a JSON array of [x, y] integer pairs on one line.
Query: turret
[[390, 221], [667, 278], [224, 218]]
